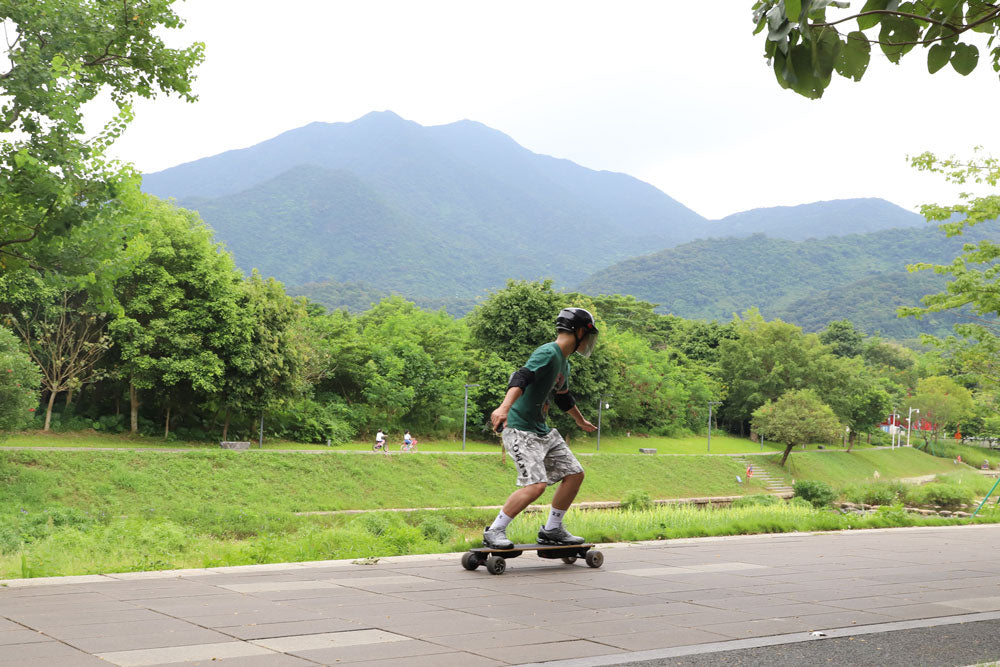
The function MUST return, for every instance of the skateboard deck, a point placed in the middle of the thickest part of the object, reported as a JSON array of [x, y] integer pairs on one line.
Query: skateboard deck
[[495, 560]]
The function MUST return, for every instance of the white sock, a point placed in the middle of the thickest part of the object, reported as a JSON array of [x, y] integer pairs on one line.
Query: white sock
[[501, 521], [555, 518]]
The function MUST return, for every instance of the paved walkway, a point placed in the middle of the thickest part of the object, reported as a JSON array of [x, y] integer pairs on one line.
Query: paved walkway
[[649, 602]]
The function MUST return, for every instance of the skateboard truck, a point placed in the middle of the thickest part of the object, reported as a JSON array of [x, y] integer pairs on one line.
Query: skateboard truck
[[495, 560]]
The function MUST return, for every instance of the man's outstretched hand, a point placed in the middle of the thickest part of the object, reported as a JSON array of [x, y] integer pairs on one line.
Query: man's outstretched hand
[[499, 418], [586, 425]]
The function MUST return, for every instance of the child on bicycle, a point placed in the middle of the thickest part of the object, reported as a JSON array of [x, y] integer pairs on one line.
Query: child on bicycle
[[380, 439]]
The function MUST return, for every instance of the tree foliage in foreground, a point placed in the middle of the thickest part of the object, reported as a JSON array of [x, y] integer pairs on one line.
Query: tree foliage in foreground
[[808, 41], [974, 285], [58, 189]]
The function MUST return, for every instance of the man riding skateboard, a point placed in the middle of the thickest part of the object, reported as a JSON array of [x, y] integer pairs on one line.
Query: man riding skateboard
[[540, 453]]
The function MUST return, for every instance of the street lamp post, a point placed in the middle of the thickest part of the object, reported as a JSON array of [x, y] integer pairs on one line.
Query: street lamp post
[[909, 414], [892, 429], [465, 412], [600, 403], [710, 404]]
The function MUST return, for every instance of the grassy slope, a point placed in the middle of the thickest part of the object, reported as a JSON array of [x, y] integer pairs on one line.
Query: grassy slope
[[121, 482], [839, 468], [167, 483], [85, 512]]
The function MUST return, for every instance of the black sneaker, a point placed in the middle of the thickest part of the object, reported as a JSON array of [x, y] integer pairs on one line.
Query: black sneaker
[[558, 536], [496, 539]]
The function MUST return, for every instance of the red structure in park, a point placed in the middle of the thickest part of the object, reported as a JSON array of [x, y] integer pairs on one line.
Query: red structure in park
[[919, 424]]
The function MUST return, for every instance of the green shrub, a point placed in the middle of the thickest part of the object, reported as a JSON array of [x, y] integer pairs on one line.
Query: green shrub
[[816, 492], [876, 493], [800, 502], [435, 528], [636, 500], [949, 496], [761, 500], [375, 523]]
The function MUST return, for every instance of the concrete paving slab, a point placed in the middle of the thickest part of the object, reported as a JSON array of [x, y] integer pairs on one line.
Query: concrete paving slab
[[174, 654], [163, 624], [662, 638], [79, 659], [22, 636], [298, 643], [475, 641], [132, 642], [55, 653], [439, 660], [648, 597], [269, 660], [515, 655], [408, 648], [269, 630]]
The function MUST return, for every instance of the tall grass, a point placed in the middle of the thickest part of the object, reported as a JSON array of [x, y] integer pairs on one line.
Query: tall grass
[[89, 545]]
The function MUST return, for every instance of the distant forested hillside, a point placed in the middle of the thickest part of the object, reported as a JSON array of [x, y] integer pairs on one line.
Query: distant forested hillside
[[870, 304], [817, 220], [441, 214], [433, 212], [859, 277], [359, 297]]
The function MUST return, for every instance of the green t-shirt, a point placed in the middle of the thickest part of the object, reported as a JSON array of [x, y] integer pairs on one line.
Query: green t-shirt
[[551, 372]]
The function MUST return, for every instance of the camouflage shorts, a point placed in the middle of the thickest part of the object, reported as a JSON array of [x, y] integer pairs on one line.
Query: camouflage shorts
[[540, 458]]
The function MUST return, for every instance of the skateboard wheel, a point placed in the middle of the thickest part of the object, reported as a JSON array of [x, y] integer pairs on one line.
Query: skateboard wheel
[[595, 558], [496, 565], [569, 560], [470, 560]]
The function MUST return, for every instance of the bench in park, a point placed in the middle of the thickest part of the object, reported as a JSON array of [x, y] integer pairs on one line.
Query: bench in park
[[234, 444]]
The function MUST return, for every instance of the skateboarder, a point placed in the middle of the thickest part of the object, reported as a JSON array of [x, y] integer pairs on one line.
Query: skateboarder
[[540, 453]]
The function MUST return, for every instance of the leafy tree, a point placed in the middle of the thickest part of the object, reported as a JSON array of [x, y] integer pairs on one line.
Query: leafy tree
[[844, 340], [657, 390], [626, 313], [942, 402], [796, 418], [418, 367], [769, 359], [698, 340], [806, 46], [974, 288], [513, 321], [55, 183], [868, 405], [65, 339], [181, 310], [262, 363], [19, 382]]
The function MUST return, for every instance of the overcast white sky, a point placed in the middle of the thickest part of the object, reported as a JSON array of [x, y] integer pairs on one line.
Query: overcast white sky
[[673, 93]]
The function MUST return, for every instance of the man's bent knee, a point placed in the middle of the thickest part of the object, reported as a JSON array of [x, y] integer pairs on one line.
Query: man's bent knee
[[534, 490]]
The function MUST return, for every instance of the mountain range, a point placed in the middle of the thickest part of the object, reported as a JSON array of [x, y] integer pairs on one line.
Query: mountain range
[[347, 212]]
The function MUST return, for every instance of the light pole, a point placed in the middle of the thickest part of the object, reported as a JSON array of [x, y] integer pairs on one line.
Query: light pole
[[892, 429], [465, 412], [600, 403], [710, 404], [912, 410]]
